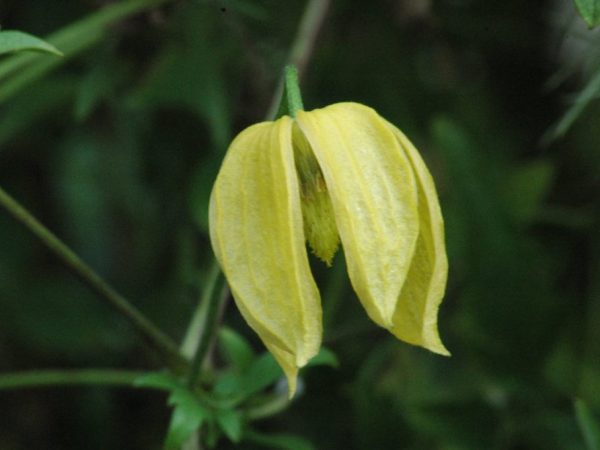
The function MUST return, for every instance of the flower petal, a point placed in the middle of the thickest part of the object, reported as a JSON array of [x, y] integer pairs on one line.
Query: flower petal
[[415, 318], [374, 199], [257, 234]]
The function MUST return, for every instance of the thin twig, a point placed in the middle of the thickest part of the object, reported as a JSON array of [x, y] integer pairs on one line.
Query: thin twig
[[214, 296], [308, 31], [153, 336], [43, 378], [303, 46]]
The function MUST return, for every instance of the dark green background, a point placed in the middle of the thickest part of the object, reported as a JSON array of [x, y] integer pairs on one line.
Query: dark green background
[[116, 152]]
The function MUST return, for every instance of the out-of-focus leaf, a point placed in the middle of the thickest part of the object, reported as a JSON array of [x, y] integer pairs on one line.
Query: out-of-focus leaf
[[61, 317], [236, 350], [81, 173], [230, 421], [188, 416], [590, 11], [17, 41], [325, 357], [97, 85], [20, 70], [587, 425], [506, 283], [201, 187], [188, 413], [261, 373], [33, 105], [279, 441], [582, 100], [176, 81], [159, 380], [526, 189]]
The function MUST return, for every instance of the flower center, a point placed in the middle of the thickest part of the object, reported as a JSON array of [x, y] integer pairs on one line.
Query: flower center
[[320, 229]]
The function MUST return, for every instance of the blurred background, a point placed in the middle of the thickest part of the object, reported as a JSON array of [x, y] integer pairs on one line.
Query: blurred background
[[116, 149]]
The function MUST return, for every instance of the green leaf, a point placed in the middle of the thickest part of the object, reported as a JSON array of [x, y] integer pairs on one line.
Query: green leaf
[[235, 349], [189, 412], [325, 357], [590, 11], [262, 372], [159, 380], [587, 425], [582, 100], [28, 110], [279, 441], [526, 188], [230, 421], [17, 41], [188, 416]]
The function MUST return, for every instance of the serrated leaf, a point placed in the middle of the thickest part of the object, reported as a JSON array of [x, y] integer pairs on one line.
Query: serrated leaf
[[279, 441], [590, 11], [17, 41], [235, 349], [230, 422]]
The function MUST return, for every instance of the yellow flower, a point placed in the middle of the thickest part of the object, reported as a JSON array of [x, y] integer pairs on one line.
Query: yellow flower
[[341, 173]]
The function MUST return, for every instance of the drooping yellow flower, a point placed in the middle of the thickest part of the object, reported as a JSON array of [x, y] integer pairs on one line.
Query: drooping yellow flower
[[337, 174]]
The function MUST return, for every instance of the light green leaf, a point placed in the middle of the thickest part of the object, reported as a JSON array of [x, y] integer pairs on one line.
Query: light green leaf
[[17, 41], [188, 416], [159, 380], [235, 349], [325, 357], [263, 372], [230, 421], [590, 11], [526, 188], [587, 425], [582, 100]]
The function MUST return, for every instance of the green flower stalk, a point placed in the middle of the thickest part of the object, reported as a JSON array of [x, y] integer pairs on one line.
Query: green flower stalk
[[341, 174]]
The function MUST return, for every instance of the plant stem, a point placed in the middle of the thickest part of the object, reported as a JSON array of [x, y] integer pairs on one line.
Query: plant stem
[[213, 297], [154, 337], [292, 90], [43, 378], [308, 30], [303, 45]]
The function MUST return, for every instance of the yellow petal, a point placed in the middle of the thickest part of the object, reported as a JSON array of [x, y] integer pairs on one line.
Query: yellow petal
[[257, 235], [415, 318], [374, 199]]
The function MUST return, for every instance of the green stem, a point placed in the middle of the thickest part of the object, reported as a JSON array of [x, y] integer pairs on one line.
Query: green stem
[[154, 337], [214, 296], [43, 378], [292, 91], [302, 48], [311, 23]]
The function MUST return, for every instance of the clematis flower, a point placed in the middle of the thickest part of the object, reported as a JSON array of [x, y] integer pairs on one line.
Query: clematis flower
[[341, 174]]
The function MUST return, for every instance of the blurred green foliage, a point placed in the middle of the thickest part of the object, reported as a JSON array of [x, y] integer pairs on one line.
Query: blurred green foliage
[[116, 149]]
